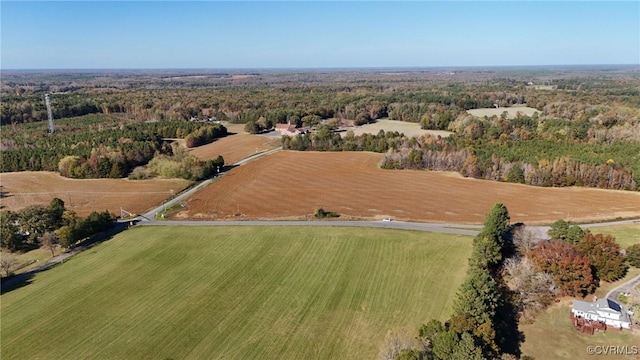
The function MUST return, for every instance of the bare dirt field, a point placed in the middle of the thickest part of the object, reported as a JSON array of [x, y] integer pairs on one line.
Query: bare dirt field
[[235, 147], [511, 111], [409, 129], [291, 185], [83, 196]]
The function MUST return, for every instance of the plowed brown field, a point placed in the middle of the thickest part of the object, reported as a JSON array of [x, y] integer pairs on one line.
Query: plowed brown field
[[235, 147], [292, 184], [85, 195]]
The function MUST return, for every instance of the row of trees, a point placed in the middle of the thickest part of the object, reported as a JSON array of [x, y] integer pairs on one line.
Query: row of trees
[[484, 323], [184, 165], [324, 139], [49, 226], [205, 135]]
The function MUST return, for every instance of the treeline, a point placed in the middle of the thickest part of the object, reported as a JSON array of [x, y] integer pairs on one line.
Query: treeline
[[534, 162], [323, 139], [105, 152], [180, 165], [526, 150], [484, 323], [25, 108], [204, 135], [49, 226]]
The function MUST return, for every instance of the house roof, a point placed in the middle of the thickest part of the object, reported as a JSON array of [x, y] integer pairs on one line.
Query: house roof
[[601, 305]]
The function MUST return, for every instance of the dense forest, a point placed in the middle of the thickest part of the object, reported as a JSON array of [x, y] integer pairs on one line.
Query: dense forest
[[97, 146], [526, 150], [587, 130]]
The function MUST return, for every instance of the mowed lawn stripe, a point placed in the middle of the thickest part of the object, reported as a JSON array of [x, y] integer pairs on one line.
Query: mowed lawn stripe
[[235, 292]]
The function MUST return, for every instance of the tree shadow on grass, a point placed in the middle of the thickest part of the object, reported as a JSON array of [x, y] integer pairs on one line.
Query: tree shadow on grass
[[17, 281]]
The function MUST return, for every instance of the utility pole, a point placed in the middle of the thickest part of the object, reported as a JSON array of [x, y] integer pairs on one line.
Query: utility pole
[[49, 113]]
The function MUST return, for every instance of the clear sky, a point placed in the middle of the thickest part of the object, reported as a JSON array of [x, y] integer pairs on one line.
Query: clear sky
[[212, 34]]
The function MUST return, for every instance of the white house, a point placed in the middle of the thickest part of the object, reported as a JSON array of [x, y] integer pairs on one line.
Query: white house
[[602, 310]]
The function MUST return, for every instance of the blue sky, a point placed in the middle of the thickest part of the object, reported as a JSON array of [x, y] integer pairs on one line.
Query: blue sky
[[211, 34]]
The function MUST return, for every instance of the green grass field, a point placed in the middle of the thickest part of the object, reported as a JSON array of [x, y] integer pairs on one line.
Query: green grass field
[[626, 235], [235, 293]]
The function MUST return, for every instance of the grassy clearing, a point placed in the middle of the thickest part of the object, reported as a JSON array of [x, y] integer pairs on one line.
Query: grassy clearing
[[407, 128], [235, 293], [553, 337], [511, 111], [626, 235], [34, 258]]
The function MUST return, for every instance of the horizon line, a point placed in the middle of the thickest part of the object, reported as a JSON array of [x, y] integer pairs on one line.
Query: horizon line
[[316, 67]]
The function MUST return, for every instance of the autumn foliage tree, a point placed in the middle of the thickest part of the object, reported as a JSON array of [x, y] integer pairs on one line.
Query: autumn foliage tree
[[604, 255], [633, 255], [571, 270]]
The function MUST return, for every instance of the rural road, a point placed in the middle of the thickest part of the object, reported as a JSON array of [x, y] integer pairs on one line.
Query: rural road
[[628, 287], [150, 215]]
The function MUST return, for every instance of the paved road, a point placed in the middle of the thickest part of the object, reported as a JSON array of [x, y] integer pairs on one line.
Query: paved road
[[628, 287], [433, 227], [150, 215]]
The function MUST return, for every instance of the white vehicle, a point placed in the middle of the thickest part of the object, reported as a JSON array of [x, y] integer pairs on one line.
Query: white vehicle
[[386, 219]]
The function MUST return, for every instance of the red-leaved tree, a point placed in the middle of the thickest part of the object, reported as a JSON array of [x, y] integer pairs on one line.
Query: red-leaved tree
[[570, 270], [604, 255]]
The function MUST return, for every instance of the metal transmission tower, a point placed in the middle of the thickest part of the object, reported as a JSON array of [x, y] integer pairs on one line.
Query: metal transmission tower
[[49, 114]]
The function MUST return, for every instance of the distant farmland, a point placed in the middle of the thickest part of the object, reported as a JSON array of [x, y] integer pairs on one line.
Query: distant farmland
[[22, 189], [236, 147], [511, 111], [235, 293], [292, 184], [407, 128]]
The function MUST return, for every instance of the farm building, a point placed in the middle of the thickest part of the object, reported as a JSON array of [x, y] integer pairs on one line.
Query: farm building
[[290, 130], [604, 311]]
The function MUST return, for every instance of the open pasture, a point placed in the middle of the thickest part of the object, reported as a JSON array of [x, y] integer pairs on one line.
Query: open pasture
[[511, 111], [191, 292], [291, 184], [407, 128], [21, 189], [626, 235], [235, 147]]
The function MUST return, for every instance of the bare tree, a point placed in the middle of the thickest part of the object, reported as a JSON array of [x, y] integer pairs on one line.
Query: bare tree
[[7, 262], [396, 342], [535, 290], [49, 241], [525, 239]]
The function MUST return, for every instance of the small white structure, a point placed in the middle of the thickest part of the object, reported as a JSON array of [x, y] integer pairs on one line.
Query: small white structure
[[290, 130], [603, 310]]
